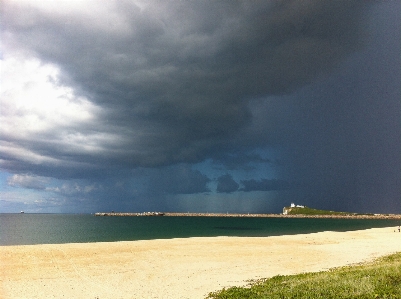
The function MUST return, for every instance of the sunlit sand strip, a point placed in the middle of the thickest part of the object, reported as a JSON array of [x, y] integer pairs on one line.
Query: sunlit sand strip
[[179, 268]]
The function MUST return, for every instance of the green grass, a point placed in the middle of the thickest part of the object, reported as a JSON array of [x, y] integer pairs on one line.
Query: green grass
[[310, 211], [378, 279]]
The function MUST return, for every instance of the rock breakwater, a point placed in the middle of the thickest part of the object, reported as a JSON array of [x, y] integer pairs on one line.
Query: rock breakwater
[[169, 214]]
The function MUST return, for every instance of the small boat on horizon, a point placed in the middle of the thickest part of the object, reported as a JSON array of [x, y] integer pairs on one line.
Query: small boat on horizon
[[22, 212]]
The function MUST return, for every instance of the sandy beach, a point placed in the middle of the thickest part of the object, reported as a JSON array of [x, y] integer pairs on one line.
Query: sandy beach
[[179, 268]]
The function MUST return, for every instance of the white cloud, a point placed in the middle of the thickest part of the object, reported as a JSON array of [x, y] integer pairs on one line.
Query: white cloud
[[27, 181], [73, 188], [33, 100], [37, 109]]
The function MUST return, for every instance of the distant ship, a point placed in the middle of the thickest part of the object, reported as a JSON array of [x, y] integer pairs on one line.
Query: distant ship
[[22, 212]]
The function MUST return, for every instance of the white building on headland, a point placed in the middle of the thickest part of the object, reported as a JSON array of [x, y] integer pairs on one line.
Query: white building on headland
[[296, 206], [285, 210]]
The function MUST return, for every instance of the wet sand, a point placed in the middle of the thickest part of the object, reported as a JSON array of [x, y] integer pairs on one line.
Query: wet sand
[[179, 268]]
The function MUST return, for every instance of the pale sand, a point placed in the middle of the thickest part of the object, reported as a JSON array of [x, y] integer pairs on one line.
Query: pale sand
[[179, 268]]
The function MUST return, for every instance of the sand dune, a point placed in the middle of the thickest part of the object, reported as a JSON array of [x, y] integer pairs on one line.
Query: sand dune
[[178, 268]]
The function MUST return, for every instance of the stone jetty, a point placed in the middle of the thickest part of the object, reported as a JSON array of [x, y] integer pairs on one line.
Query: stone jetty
[[131, 214], [169, 214]]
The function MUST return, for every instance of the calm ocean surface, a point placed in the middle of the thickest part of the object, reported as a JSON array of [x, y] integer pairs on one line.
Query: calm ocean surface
[[25, 229]]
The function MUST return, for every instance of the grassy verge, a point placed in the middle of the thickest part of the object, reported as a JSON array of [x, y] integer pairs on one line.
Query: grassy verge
[[378, 279]]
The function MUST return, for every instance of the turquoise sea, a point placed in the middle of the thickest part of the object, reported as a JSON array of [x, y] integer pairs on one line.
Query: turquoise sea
[[26, 229]]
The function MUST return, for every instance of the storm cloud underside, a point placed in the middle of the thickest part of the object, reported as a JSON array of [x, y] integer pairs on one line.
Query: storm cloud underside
[[147, 90]]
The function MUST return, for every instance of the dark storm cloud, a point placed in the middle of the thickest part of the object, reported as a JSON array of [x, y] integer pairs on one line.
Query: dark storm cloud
[[226, 184], [180, 179], [264, 185], [305, 92], [344, 152], [239, 160], [173, 80]]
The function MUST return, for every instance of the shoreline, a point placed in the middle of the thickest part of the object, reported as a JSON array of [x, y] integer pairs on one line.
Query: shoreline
[[179, 268], [169, 214]]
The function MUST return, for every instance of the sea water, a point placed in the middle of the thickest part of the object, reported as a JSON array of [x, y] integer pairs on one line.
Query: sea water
[[27, 229]]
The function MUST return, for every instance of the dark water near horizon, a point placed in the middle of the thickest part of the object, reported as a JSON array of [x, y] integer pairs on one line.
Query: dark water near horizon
[[27, 229]]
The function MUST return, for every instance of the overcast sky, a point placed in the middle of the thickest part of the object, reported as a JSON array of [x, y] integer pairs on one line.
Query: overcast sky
[[200, 106]]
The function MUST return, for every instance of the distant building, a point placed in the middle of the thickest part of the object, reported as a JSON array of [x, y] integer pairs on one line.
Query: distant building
[[286, 210]]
